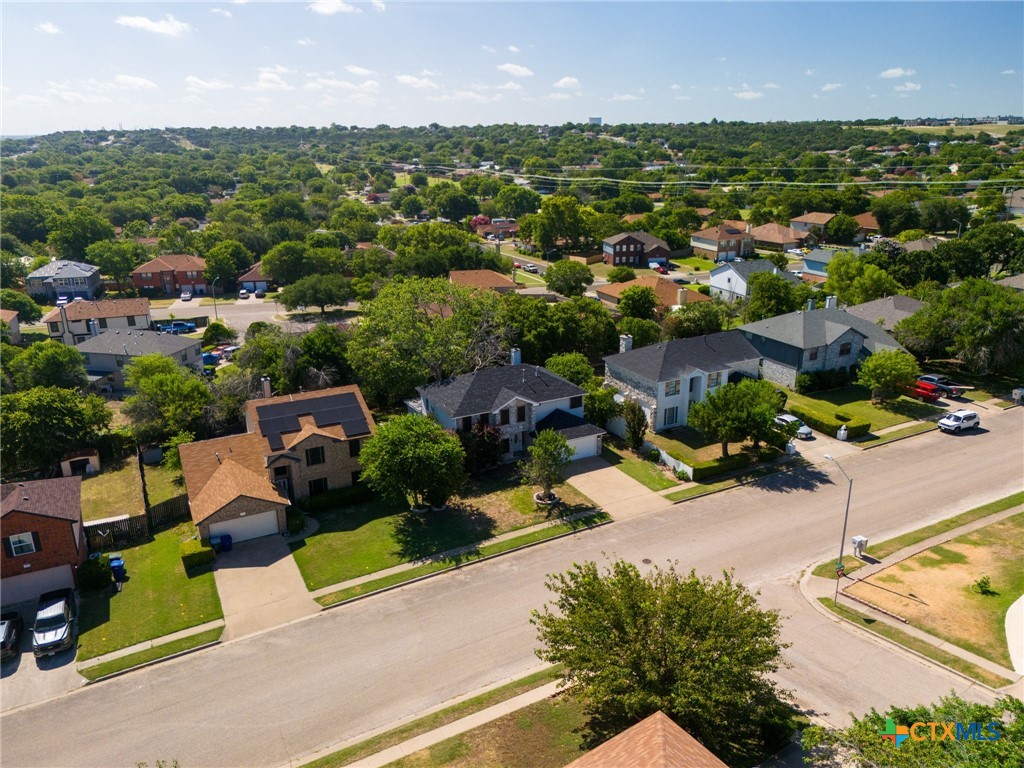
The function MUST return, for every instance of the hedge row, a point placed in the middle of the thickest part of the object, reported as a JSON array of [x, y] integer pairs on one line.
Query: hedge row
[[195, 554], [830, 424], [717, 466]]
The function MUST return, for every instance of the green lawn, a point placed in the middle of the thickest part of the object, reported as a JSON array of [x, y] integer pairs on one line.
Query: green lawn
[[647, 472], [871, 440], [162, 483], [161, 303], [158, 598], [207, 301], [885, 548], [689, 446], [151, 654], [116, 490], [694, 264], [720, 485], [856, 402]]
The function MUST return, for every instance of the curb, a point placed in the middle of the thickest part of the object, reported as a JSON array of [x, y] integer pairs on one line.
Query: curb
[[150, 663], [459, 566], [897, 439], [742, 482]]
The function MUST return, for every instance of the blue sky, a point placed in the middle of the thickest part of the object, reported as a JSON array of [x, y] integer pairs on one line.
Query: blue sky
[[78, 65]]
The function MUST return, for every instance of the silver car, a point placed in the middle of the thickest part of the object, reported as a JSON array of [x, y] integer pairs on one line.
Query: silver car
[[802, 431]]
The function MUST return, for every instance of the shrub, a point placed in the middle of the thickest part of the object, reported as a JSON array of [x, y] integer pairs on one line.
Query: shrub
[[705, 289], [767, 453], [654, 455], [682, 474], [296, 520], [717, 466], [984, 586], [803, 383], [339, 497], [195, 554], [94, 574]]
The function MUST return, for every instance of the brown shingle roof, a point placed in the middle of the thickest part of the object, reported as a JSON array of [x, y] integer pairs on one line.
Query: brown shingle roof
[[254, 273], [229, 481], [815, 217], [655, 742], [666, 291], [172, 262], [60, 497], [94, 310], [723, 231], [481, 278], [649, 240], [867, 221], [8, 314], [776, 233]]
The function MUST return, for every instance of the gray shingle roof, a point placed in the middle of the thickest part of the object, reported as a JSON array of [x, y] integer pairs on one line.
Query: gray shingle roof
[[64, 268], [135, 343], [821, 255], [569, 425], [889, 310], [485, 390], [819, 328], [665, 361], [753, 266]]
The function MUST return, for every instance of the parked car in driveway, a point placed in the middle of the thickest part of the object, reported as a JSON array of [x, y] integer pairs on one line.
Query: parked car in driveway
[[54, 628], [186, 295], [786, 420], [660, 269], [923, 390], [243, 294], [178, 326], [959, 421], [260, 294], [945, 385], [11, 627]]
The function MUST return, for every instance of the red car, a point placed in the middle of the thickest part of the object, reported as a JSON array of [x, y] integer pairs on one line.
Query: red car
[[660, 269], [923, 391]]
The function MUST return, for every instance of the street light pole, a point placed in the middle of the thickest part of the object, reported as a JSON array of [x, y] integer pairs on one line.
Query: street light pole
[[846, 518], [959, 227], [213, 286]]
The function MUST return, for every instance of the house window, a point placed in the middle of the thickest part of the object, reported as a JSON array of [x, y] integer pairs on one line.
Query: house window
[[714, 379], [694, 383], [353, 448], [80, 339], [318, 486], [576, 402], [146, 275], [505, 446], [119, 361], [103, 322], [467, 423], [671, 415], [844, 348], [280, 471], [184, 357], [503, 415], [521, 414], [22, 544], [314, 456], [484, 419], [131, 320], [671, 388], [812, 355], [54, 327], [191, 275]]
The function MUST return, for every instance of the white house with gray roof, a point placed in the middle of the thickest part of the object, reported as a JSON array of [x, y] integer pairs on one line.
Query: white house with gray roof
[[669, 377], [731, 280], [106, 355], [827, 339], [71, 279], [518, 400]]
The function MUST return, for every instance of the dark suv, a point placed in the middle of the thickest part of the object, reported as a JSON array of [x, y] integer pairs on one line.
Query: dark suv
[[54, 627], [10, 635]]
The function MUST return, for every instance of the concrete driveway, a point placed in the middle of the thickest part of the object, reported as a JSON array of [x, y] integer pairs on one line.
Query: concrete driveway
[[28, 680], [614, 491], [260, 587]]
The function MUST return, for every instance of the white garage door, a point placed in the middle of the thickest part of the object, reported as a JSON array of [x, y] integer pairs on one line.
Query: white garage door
[[29, 586], [585, 447], [248, 527]]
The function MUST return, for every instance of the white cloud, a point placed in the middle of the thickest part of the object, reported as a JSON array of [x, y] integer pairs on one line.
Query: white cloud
[[509, 86], [221, 12], [48, 27], [331, 7], [907, 87], [269, 81], [489, 49], [748, 95], [896, 72], [828, 87], [419, 83], [676, 87], [378, 6], [516, 70], [559, 96], [567, 82], [329, 83], [306, 41], [1008, 72], [513, 48], [168, 25], [808, 72], [357, 70], [624, 97], [771, 86], [132, 82], [429, 73], [195, 84]]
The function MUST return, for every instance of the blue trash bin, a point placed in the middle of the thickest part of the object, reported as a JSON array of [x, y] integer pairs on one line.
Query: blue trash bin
[[215, 543], [117, 569], [225, 542]]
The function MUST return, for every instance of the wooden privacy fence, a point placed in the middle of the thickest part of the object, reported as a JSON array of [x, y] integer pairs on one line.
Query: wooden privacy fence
[[174, 510], [116, 533]]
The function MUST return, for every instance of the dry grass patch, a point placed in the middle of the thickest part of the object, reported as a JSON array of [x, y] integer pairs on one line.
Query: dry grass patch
[[116, 490], [935, 590]]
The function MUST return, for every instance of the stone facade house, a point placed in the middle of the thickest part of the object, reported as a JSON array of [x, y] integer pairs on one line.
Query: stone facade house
[[294, 447], [827, 339], [43, 536], [667, 378], [76, 322]]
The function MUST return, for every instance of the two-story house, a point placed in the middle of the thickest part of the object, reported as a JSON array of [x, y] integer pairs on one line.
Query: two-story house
[[10, 317], [170, 274], [775, 237], [518, 400], [107, 354], [79, 320], [827, 339], [729, 240], [43, 537], [634, 249], [815, 222], [667, 378], [731, 280], [295, 446], [70, 279]]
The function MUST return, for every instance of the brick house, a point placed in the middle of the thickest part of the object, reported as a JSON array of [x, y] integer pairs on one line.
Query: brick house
[[294, 447], [484, 279], [10, 316], [253, 278], [171, 274], [71, 324], [728, 241], [634, 249], [667, 292], [43, 536]]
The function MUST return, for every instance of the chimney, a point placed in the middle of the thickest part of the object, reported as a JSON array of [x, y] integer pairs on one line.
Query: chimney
[[680, 295], [625, 343], [265, 384], [810, 304], [748, 228], [830, 302], [517, 356]]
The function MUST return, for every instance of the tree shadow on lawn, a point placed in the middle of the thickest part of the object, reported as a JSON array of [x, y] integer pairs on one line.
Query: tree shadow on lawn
[[421, 536], [787, 481]]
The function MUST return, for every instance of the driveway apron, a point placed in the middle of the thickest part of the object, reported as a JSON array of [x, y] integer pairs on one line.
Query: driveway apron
[[614, 491], [260, 587]]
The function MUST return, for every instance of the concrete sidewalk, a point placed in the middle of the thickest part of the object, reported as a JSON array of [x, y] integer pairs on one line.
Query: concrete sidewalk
[[154, 643]]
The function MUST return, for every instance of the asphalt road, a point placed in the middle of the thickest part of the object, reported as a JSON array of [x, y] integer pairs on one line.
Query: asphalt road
[[273, 698]]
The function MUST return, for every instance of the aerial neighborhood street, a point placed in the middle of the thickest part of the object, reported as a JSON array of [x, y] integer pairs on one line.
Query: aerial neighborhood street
[[633, 404]]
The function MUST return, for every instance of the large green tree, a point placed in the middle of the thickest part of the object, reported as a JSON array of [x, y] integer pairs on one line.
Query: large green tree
[[168, 399], [28, 311], [116, 259], [644, 332], [1002, 243], [572, 366], [841, 229], [700, 650], [72, 234], [514, 200], [886, 372], [734, 412], [226, 260], [638, 301], [316, 291], [415, 458], [569, 278], [12, 270], [770, 295], [853, 280], [49, 364], [550, 454], [696, 318]]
